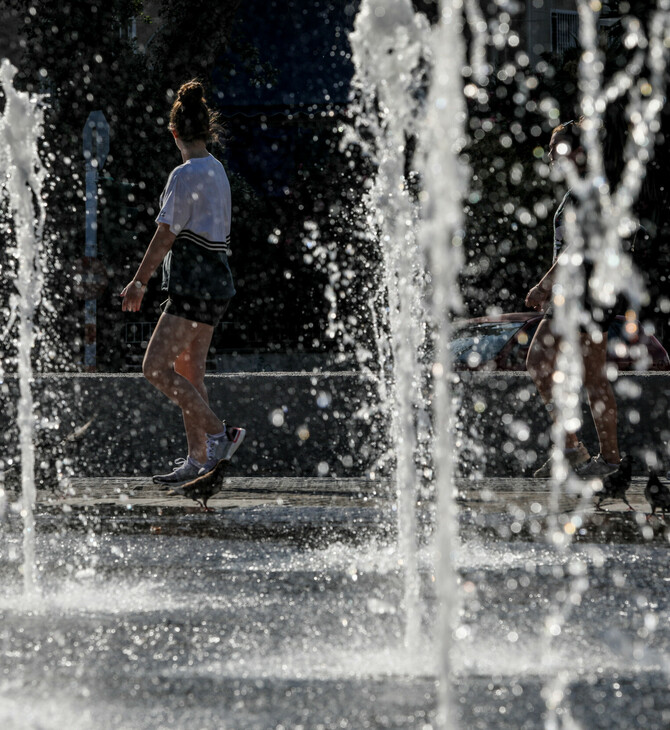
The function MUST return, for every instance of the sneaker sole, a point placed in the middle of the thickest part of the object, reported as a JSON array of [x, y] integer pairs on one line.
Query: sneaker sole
[[602, 475], [203, 487], [165, 480]]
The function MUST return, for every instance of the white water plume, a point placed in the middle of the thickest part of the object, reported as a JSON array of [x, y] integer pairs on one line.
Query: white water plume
[[604, 215], [445, 179], [21, 187], [409, 84], [388, 45], [603, 218]]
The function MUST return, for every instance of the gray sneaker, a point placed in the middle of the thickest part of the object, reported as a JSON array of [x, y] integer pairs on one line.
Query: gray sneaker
[[222, 447], [575, 459], [597, 467], [184, 471]]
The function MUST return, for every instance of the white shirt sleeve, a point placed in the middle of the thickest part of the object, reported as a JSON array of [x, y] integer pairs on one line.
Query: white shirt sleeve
[[175, 205]]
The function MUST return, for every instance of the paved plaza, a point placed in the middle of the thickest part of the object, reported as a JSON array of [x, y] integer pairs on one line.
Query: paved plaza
[[286, 607], [254, 507]]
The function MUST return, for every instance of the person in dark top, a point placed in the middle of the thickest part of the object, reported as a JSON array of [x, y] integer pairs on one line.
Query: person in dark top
[[192, 241], [542, 353]]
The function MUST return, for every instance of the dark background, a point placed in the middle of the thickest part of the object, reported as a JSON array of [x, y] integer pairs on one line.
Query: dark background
[[279, 73]]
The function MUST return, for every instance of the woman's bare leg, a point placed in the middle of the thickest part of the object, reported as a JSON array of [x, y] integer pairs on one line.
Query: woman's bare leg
[[191, 364], [172, 338], [601, 397], [541, 365]]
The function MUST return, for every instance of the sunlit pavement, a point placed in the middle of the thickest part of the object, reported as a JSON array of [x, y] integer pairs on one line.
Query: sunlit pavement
[[357, 509]]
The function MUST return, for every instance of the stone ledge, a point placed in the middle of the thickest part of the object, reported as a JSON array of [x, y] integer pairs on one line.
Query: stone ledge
[[309, 423], [298, 424]]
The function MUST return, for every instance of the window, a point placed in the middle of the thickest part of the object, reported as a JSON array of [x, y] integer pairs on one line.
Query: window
[[564, 30], [477, 344]]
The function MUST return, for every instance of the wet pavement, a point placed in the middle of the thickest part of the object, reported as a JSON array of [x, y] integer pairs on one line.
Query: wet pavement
[[286, 607], [347, 508]]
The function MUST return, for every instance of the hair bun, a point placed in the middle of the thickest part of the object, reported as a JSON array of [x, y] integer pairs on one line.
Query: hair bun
[[190, 93], [190, 116]]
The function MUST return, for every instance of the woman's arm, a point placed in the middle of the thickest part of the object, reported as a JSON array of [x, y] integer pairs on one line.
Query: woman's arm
[[540, 294], [160, 244]]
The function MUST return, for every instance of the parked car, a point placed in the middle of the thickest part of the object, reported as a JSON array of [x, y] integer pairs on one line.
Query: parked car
[[501, 343]]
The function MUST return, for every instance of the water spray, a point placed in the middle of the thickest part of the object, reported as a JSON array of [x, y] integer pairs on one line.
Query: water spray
[[21, 188]]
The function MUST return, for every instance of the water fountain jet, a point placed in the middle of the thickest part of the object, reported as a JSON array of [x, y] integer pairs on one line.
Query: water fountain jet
[[409, 77], [20, 132]]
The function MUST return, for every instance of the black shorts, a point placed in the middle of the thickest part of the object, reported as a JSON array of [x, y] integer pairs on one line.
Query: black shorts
[[207, 311]]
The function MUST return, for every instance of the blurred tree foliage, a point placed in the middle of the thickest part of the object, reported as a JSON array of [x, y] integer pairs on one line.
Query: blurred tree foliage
[[510, 204], [84, 57], [300, 261]]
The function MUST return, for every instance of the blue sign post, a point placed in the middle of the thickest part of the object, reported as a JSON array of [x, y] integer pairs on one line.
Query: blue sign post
[[96, 149]]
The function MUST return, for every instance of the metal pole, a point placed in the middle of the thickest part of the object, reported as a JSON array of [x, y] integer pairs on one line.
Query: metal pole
[[96, 149]]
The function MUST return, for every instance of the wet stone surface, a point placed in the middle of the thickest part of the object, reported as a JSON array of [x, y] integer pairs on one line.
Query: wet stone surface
[[341, 509], [285, 608]]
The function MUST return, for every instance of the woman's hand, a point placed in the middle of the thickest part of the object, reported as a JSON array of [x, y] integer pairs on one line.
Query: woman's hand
[[132, 296], [160, 244], [537, 297]]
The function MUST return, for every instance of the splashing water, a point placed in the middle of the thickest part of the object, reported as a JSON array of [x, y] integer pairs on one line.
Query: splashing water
[[21, 189], [445, 180], [409, 81], [605, 215], [387, 50], [603, 218], [397, 57], [409, 84]]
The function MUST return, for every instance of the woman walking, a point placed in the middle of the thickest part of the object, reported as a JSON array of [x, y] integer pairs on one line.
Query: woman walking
[[191, 241], [543, 350]]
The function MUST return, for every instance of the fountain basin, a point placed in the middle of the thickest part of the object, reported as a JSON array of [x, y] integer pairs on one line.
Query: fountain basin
[[155, 630]]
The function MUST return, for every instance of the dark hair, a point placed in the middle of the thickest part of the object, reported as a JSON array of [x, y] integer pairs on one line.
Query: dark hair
[[190, 116]]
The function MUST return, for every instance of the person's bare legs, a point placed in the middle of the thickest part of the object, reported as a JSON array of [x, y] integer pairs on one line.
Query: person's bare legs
[[541, 365], [191, 364], [172, 338], [601, 397]]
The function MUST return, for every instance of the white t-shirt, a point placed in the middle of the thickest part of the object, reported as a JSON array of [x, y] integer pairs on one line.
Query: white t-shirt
[[196, 205], [197, 199]]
